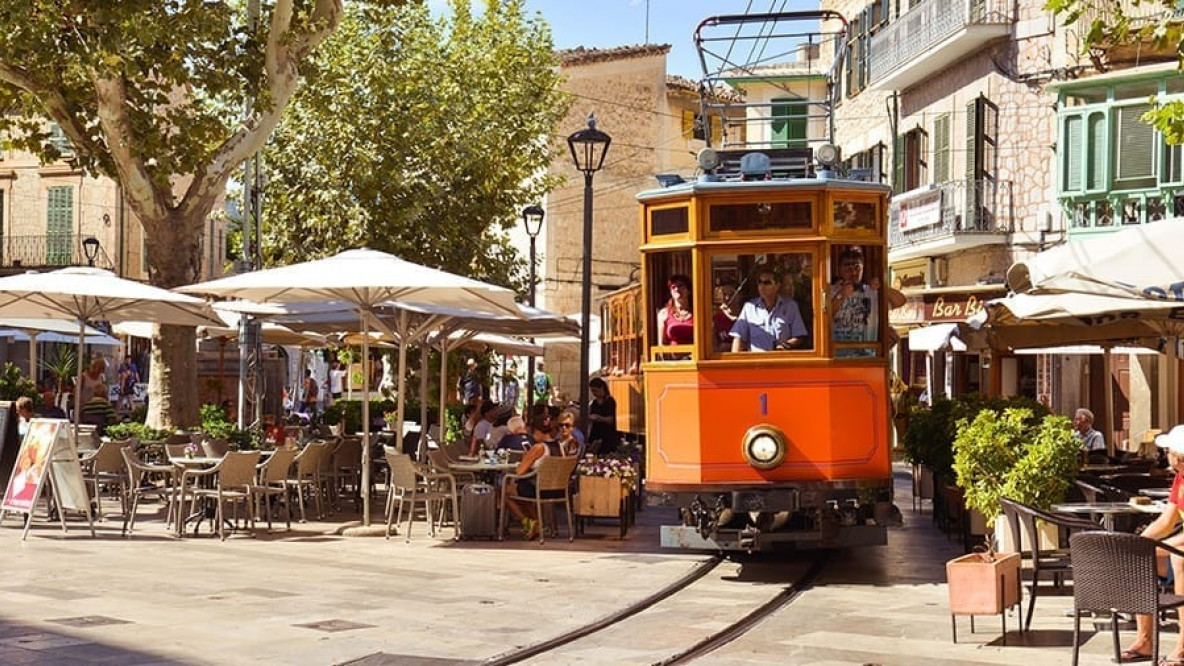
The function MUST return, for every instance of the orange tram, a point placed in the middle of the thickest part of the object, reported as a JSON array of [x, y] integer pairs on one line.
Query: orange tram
[[789, 445]]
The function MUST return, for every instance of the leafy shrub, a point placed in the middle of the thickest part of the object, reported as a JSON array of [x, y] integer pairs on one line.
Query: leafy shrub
[[13, 385], [136, 429], [1016, 454], [350, 411]]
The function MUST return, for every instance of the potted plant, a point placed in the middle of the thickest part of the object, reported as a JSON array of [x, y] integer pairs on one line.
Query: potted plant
[[983, 583], [928, 446], [13, 385], [1014, 454], [604, 487]]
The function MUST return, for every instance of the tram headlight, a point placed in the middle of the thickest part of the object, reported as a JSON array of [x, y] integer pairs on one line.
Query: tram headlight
[[827, 155], [764, 446]]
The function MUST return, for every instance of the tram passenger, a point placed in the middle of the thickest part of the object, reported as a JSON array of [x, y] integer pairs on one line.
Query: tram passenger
[[602, 416], [676, 323], [723, 318], [769, 321], [854, 302]]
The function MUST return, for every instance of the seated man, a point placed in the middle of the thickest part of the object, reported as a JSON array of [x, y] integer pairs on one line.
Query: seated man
[[1093, 445], [769, 321], [98, 410]]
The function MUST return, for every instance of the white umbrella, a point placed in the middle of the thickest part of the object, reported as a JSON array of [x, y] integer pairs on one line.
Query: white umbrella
[[364, 279], [83, 294], [32, 328]]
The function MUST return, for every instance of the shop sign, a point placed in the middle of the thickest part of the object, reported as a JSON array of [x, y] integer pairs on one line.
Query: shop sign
[[924, 211], [953, 307]]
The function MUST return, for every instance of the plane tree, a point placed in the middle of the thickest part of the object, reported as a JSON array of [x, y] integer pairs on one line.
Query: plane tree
[[167, 97]]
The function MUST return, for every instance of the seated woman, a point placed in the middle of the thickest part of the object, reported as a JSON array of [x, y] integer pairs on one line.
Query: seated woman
[[524, 511], [98, 410], [569, 441], [676, 323]]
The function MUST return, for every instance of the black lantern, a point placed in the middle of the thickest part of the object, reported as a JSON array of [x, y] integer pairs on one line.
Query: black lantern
[[90, 247], [532, 219]]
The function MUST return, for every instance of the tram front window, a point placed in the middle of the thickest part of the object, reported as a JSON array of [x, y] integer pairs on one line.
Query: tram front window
[[772, 308], [854, 294]]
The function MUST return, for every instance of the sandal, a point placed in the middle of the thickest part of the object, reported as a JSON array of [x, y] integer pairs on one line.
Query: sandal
[[1131, 656], [532, 533], [1164, 661]]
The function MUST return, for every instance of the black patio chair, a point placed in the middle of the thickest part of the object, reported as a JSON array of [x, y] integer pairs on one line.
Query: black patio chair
[[1114, 573]]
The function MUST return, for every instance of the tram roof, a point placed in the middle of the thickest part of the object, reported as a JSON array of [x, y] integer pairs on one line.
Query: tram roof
[[712, 186]]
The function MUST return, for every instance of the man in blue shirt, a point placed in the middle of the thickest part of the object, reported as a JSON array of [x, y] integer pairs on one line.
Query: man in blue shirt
[[768, 321]]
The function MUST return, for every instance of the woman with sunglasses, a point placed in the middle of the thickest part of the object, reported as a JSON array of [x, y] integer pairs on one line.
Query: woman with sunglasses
[[676, 323], [567, 440], [524, 511], [769, 321]]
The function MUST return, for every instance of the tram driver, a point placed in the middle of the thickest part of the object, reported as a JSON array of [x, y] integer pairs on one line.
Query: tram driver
[[770, 321]]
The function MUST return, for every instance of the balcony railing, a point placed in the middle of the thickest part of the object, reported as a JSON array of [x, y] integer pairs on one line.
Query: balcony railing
[[924, 27], [954, 208], [48, 251]]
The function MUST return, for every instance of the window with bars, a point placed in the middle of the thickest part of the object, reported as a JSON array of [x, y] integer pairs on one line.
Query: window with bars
[[790, 121], [693, 127], [58, 139], [911, 165], [861, 28], [982, 131], [59, 226], [867, 165]]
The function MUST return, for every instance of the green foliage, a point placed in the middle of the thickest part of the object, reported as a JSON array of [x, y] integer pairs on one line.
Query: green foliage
[[454, 420], [351, 412], [1014, 454], [138, 430], [62, 363], [215, 422], [419, 137], [13, 385], [929, 439]]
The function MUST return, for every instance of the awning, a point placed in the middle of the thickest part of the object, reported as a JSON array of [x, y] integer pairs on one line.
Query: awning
[[936, 337], [1088, 350]]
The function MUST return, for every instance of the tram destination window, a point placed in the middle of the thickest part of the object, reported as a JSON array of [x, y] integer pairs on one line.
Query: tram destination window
[[667, 221], [762, 216], [851, 215], [764, 302]]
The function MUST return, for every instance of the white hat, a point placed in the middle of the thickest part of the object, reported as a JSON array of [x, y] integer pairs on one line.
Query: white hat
[[471, 361], [1173, 441]]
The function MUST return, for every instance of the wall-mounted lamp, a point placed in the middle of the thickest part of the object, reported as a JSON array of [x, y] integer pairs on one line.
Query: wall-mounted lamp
[[90, 247]]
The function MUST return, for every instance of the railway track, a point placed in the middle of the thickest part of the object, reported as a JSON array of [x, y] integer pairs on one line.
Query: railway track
[[709, 594]]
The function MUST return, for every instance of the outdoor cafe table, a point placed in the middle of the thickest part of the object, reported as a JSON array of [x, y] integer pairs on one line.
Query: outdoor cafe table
[[1108, 510], [184, 465], [1156, 493], [483, 468]]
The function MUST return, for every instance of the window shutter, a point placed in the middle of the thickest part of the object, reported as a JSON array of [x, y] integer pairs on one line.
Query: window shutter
[[688, 123], [717, 131], [941, 149], [898, 164], [970, 215], [1071, 155], [59, 224], [1094, 167], [1134, 148]]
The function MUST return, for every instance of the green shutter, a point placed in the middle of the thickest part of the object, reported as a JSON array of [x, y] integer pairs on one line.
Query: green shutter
[[898, 164], [1071, 155], [1134, 148], [59, 226], [941, 149], [970, 216], [1095, 165]]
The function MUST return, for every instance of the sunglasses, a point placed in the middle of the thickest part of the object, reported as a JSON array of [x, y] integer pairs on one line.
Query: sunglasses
[[766, 282], [567, 425]]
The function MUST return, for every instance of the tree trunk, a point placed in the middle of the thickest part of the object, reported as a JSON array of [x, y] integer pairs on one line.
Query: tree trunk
[[174, 259]]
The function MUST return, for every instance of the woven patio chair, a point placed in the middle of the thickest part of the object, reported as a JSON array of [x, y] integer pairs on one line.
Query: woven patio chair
[[306, 475], [552, 474], [105, 467], [410, 484], [234, 475], [141, 475], [271, 481], [1114, 572]]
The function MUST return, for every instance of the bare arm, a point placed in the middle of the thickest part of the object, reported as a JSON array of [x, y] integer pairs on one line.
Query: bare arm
[[1164, 524], [662, 315]]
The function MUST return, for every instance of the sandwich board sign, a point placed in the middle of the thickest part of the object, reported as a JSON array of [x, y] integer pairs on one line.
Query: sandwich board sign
[[47, 455]]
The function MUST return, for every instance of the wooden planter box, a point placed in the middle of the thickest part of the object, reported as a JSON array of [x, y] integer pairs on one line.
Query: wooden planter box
[[983, 588], [604, 497]]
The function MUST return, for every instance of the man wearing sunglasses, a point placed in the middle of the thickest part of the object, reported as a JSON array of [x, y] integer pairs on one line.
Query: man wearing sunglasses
[[769, 321]]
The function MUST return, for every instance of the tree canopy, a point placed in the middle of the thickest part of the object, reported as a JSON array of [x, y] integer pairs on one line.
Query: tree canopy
[[419, 136]]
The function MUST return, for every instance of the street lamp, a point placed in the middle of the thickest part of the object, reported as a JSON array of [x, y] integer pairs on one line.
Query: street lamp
[[532, 219], [90, 247], [588, 148]]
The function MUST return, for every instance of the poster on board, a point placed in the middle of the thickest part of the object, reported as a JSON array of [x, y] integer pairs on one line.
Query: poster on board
[[32, 459]]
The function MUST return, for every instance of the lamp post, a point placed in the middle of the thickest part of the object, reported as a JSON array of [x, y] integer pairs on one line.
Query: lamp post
[[90, 247], [532, 219], [588, 148]]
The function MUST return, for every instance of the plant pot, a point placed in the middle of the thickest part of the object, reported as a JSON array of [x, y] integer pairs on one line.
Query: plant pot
[[922, 482], [983, 588], [599, 496], [1049, 537]]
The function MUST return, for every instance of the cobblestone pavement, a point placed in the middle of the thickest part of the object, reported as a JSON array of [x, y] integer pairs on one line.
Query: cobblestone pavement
[[312, 596]]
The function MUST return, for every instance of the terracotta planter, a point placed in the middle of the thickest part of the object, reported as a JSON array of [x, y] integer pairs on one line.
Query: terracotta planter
[[978, 587]]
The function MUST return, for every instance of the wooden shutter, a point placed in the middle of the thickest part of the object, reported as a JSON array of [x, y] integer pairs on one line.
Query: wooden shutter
[[59, 225], [1071, 151], [970, 214], [898, 185], [688, 123], [1135, 147], [941, 149], [1096, 165]]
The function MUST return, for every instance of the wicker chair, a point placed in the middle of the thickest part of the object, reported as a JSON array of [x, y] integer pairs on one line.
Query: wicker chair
[[272, 480], [1042, 561], [307, 476], [105, 466], [235, 475], [215, 447], [440, 464], [410, 484], [138, 471], [552, 474], [1115, 572]]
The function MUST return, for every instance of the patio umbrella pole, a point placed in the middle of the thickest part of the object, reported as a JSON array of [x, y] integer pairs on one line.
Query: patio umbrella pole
[[443, 386], [365, 418], [78, 379], [1173, 374], [1108, 401], [422, 446], [403, 325]]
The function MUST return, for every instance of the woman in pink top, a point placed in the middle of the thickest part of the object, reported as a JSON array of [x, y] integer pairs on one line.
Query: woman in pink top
[[676, 323], [1170, 567]]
